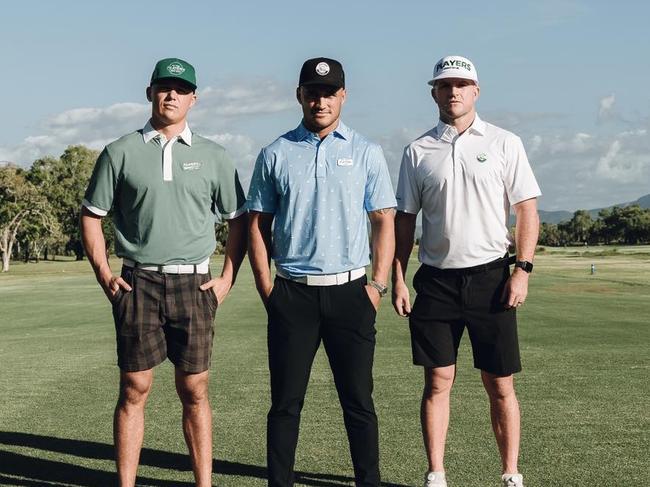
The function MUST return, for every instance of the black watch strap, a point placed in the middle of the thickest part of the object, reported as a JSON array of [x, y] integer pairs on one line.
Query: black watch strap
[[524, 265]]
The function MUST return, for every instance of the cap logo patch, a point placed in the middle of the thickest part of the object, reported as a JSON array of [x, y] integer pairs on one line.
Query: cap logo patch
[[482, 157], [176, 69], [322, 68]]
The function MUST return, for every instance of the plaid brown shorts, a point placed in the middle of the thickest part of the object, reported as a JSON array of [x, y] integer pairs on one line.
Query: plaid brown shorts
[[164, 315]]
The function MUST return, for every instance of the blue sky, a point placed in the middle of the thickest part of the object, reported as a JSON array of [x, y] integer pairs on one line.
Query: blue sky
[[570, 77]]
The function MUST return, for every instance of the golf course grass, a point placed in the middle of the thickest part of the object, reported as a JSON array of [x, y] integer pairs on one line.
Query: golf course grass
[[584, 391]]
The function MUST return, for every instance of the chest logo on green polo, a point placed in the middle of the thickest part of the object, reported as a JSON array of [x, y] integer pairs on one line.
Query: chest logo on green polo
[[176, 68], [191, 166], [482, 157], [344, 162]]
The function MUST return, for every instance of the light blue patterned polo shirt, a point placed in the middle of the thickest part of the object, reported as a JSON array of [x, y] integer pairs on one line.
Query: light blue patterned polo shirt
[[320, 191]]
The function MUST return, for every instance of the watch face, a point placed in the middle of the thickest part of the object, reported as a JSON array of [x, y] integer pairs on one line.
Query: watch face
[[525, 265], [382, 290]]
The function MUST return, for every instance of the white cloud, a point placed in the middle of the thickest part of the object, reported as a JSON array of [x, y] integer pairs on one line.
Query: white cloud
[[581, 170], [243, 99], [242, 149], [606, 109], [622, 164], [94, 127]]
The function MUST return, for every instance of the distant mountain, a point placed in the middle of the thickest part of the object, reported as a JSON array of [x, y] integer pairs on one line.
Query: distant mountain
[[643, 201], [550, 216], [562, 216]]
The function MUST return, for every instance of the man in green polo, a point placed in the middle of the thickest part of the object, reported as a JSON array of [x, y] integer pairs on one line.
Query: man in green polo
[[164, 185]]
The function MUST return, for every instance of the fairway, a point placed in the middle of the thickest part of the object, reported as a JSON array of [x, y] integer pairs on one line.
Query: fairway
[[583, 391]]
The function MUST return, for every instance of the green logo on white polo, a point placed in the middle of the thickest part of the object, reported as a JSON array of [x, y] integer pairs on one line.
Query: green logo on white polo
[[176, 68], [482, 157]]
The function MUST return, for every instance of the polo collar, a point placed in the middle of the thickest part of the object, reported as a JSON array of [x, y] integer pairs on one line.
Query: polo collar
[[444, 130], [342, 131], [149, 133]]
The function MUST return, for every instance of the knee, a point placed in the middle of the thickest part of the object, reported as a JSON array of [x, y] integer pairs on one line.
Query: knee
[[133, 393], [499, 388], [192, 395], [438, 381]]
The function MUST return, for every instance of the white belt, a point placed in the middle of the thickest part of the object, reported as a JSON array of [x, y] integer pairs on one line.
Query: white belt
[[326, 279], [201, 268]]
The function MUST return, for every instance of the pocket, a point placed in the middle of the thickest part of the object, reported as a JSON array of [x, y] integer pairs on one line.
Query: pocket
[[127, 276], [205, 297], [213, 299], [117, 296], [274, 291], [367, 298], [122, 314], [416, 280]]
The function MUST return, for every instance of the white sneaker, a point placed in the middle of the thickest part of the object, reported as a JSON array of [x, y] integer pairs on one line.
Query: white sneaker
[[512, 480], [435, 479]]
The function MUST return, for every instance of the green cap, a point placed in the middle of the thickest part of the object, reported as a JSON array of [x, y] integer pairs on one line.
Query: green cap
[[174, 68]]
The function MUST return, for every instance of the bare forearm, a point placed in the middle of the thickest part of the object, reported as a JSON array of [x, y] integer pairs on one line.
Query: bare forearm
[[236, 245], [94, 244], [382, 223], [259, 248], [404, 238], [527, 229]]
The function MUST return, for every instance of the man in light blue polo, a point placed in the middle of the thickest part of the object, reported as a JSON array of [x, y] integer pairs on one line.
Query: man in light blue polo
[[316, 184]]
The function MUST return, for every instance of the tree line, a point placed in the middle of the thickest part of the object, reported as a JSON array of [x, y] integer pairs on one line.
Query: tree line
[[628, 225], [40, 206]]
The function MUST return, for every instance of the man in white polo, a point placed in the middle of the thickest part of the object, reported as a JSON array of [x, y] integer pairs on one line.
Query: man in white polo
[[464, 175]]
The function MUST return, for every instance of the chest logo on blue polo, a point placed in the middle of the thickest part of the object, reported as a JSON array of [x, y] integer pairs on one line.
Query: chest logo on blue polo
[[482, 157], [191, 166], [344, 162]]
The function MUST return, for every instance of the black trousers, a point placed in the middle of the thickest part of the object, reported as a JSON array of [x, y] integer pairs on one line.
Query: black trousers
[[343, 317]]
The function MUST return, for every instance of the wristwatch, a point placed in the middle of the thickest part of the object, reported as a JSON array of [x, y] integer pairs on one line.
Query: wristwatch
[[524, 265], [381, 289]]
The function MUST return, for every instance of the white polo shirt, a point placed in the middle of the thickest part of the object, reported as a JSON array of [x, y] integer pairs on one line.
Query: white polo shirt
[[464, 185]]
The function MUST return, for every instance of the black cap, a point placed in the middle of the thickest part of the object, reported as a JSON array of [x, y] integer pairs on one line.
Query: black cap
[[322, 71]]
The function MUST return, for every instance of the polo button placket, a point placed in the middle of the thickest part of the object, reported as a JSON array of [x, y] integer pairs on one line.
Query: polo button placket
[[167, 158], [321, 156]]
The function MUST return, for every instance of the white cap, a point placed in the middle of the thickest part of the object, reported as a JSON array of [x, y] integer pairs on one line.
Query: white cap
[[454, 67]]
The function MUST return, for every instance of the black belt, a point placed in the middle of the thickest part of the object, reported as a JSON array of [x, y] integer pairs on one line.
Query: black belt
[[477, 269]]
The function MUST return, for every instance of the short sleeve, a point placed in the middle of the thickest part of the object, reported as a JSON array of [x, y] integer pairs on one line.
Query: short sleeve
[[262, 195], [519, 180], [379, 190], [101, 188], [229, 199], [408, 191]]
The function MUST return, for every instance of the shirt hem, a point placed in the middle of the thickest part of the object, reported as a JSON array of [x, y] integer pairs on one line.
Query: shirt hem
[[93, 209], [234, 214]]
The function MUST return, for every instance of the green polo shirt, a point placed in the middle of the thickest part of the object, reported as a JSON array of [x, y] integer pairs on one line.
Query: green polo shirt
[[165, 220]]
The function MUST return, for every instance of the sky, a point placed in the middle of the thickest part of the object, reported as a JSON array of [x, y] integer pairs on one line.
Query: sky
[[570, 77]]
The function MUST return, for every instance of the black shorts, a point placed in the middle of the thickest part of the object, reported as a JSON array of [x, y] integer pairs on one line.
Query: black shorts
[[448, 301], [164, 315]]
